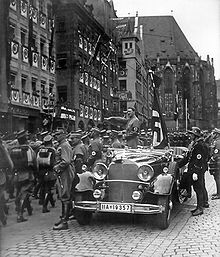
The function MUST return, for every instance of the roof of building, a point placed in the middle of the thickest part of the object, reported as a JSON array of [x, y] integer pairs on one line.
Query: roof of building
[[161, 35]]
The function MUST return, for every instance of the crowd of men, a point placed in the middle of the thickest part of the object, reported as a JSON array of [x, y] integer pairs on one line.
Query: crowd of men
[[35, 165]]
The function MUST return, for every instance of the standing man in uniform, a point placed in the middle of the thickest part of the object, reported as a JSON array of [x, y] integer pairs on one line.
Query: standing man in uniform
[[66, 177], [25, 164], [214, 163], [6, 167], [132, 126], [95, 147], [197, 159]]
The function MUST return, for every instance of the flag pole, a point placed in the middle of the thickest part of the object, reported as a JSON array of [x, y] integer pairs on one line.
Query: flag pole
[[177, 110], [186, 114]]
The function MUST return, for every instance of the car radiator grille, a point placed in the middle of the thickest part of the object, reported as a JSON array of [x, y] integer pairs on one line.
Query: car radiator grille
[[121, 191]]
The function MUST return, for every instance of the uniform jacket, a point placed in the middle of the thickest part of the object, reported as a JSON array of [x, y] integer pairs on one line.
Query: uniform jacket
[[197, 158], [65, 157]]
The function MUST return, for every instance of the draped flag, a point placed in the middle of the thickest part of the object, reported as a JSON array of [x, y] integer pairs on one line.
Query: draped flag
[[96, 50], [158, 125]]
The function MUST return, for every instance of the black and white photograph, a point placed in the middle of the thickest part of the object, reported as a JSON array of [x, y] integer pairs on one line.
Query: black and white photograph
[[110, 128]]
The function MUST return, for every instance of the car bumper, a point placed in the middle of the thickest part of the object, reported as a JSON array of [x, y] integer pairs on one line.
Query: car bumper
[[134, 208]]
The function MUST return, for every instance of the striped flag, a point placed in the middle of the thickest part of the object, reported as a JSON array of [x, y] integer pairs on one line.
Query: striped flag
[[158, 125]]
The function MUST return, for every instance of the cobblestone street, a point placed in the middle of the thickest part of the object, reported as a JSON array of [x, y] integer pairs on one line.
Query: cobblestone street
[[116, 235]]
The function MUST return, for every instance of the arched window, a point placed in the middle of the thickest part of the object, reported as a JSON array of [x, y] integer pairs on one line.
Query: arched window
[[168, 92]]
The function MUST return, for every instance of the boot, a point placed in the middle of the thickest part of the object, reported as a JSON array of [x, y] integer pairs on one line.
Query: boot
[[46, 200], [51, 200], [28, 206], [62, 215], [63, 224], [20, 217], [199, 211], [3, 217]]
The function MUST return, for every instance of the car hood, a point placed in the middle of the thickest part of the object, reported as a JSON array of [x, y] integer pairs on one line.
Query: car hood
[[140, 156]]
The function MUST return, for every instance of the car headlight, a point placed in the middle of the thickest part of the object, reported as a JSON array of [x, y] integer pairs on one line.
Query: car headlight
[[145, 173], [100, 171]]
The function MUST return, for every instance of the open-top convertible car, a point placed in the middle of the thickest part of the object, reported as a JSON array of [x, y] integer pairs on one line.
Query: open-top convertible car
[[135, 181]]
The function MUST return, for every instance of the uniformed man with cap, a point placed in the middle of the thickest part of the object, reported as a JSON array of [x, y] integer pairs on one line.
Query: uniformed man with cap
[[132, 126], [214, 163], [197, 159], [80, 151], [95, 147], [24, 160], [46, 157], [6, 168], [115, 141], [66, 177]]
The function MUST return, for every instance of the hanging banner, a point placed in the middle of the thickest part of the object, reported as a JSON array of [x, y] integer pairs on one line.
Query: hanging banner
[[35, 59], [95, 115], [15, 96], [25, 54], [14, 49], [90, 113], [86, 112], [44, 61], [52, 66], [81, 110], [36, 101], [23, 8], [99, 115], [13, 5], [34, 15], [81, 79], [43, 20], [26, 98]]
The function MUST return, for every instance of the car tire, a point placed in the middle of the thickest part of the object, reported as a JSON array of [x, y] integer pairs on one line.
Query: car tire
[[163, 219], [83, 217]]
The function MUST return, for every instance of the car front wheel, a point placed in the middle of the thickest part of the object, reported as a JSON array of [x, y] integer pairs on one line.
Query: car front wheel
[[163, 219]]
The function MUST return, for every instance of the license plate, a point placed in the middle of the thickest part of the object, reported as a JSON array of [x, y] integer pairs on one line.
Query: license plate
[[111, 207]]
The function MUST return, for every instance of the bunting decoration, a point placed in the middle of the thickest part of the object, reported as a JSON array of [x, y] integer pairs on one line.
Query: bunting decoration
[[51, 38], [30, 37], [158, 125]]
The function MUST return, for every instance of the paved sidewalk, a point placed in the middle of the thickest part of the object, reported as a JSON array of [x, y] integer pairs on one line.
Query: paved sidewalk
[[117, 235]]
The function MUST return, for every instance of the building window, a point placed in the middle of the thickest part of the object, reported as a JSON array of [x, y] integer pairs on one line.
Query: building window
[[34, 85], [130, 45], [43, 86], [62, 93], [61, 61], [34, 42], [122, 85], [11, 32], [42, 46], [24, 83], [61, 24], [23, 36], [13, 79], [168, 80], [41, 5], [49, 10], [126, 45], [51, 87]]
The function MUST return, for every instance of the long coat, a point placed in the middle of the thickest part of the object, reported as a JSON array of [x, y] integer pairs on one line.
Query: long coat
[[65, 171]]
